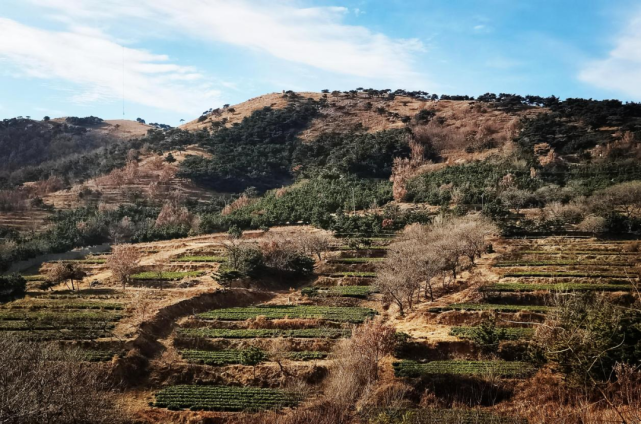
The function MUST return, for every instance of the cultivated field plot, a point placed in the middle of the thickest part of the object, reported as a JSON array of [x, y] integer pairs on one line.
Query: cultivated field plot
[[607, 262], [223, 398], [600, 252], [229, 357], [265, 333], [57, 303], [506, 333], [360, 292], [489, 307], [506, 369], [355, 274], [56, 318], [329, 313], [88, 261], [91, 355], [166, 275], [202, 259], [213, 357], [349, 261], [567, 274], [558, 287], [446, 416]]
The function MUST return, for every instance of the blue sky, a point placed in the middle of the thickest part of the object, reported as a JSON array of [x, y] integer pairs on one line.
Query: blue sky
[[173, 59]]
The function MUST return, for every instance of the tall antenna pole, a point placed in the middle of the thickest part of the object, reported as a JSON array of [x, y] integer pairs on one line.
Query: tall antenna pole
[[123, 80]]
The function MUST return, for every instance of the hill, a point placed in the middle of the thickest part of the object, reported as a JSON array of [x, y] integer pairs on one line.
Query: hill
[[359, 257]]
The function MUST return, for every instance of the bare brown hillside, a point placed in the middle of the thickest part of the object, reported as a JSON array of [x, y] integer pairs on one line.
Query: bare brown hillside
[[152, 178], [459, 124]]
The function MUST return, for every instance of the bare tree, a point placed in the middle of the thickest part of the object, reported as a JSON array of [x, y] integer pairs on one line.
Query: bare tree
[[625, 196], [279, 353], [425, 252], [65, 272], [315, 244], [515, 198], [123, 262]]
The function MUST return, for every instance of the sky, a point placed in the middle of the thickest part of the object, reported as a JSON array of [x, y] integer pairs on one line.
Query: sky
[[167, 60]]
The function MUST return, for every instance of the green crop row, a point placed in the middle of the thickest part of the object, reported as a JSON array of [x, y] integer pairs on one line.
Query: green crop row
[[351, 248], [353, 274], [166, 276], [223, 398], [217, 259], [262, 333], [51, 316], [306, 355], [505, 333], [33, 325], [509, 264], [34, 277], [340, 291], [512, 369], [91, 355], [595, 274], [229, 357], [61, 334], [88, 261], [348, 314], [213, 357], [61, 304], [357, 260], [577, 252], [441, 416], [489, 307], [519, 287]]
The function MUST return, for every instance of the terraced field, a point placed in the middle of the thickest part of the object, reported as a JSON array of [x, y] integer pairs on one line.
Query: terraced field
[[507, 333], [223, 398], [511, 369], [329, 313], [444, 416], [361, 292], [357, 260], [262, 333], [60, 317], [557, 287], [166, 276], [489, 307], [231, 356], [216, 358], [202, 259], [356, 274]]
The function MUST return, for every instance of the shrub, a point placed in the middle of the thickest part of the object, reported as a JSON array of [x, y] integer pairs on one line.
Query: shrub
[[12, 285]]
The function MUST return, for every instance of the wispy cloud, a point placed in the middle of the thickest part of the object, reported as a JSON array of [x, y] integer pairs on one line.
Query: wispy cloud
[[621, 71], [95, 64], [316, 37]]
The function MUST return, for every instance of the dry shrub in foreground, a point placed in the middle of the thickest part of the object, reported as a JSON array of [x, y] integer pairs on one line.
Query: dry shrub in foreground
[[351, 377], [43, 384], [355, 368]]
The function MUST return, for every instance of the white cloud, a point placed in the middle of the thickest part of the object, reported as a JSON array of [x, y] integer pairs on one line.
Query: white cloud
[[621, 70], [94, 63], [316, 36]]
